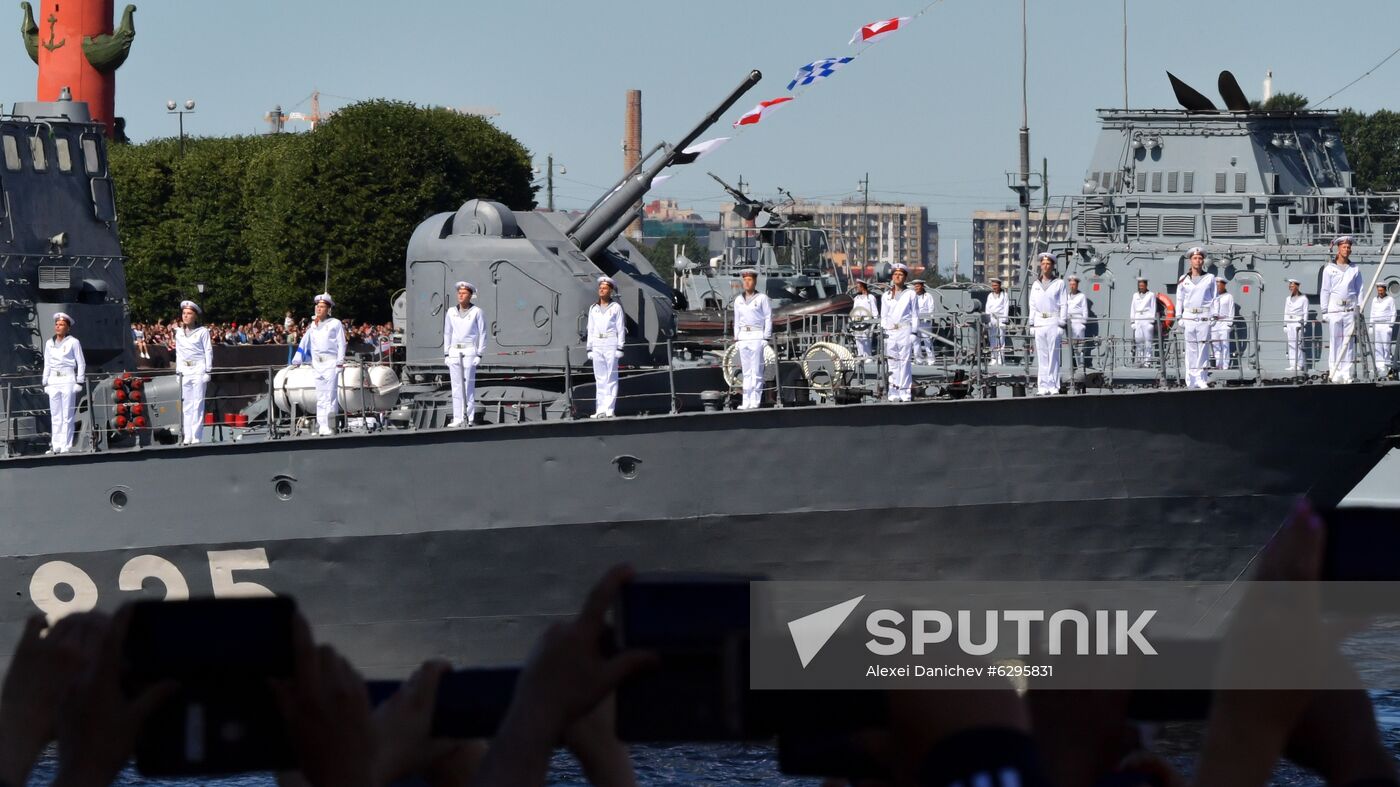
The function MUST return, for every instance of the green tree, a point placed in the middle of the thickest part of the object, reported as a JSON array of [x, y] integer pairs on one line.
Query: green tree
[[143, 177], [255, 218], [661, 251], [1372, 144], [354, 190], [1281, 102]]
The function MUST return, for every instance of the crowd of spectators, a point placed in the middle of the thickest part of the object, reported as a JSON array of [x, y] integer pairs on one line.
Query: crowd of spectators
[[149, 336], [67, 687]]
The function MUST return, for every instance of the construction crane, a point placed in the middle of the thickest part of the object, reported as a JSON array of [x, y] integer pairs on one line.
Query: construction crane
[[277, 119]]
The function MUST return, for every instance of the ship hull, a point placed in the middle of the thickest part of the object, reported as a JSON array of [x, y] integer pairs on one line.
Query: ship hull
[[465, 543]]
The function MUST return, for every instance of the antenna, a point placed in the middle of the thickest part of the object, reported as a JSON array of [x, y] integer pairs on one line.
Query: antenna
[[1125, 54]]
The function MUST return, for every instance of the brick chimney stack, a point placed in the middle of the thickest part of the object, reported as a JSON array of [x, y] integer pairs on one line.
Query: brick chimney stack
[[632, 144]]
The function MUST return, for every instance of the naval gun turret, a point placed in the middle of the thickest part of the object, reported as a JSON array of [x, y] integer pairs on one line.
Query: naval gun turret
[[536, 275]]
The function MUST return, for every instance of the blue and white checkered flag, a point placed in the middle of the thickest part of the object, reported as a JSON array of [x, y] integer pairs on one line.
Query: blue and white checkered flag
[[818, 69]]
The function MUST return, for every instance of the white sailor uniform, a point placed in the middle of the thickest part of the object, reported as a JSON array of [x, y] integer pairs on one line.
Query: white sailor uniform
[[1077, 310], [1222, 324], [607, 329], [324, 346], [923, 347], [997, 310], [463, 339], [1193, 308], [1295, 313], [1049, 312], [1339, 299], [64, 368], [1144, 317], [194, 357], [1382, 320], [898, 317], [753, 327], [869, 303]]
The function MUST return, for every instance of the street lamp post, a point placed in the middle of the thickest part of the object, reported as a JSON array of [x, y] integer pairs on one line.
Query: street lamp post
[[549, 179], [172, 108]]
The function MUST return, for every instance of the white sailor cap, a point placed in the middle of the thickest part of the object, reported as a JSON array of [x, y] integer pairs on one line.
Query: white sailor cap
[[919, 281], [459, 285], [899, 266], [1045, 255], [63, 316], [191, 305], [1194, 251], [608, 280], [1340, 239], [994, 280], [1142, 279], [1294, 281], [1073, 277], [326, 297], [749, 272]]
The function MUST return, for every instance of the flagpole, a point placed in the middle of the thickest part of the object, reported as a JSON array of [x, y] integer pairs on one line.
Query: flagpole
[[1025, 179]]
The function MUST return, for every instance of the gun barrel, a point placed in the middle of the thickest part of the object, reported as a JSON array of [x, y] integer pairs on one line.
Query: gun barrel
[[601, 225]]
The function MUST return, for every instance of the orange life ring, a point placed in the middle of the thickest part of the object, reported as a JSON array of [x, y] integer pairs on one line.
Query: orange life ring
[[1168, 310]]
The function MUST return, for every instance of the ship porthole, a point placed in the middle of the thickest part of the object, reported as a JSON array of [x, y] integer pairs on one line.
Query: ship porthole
[[627, 466], [283, 486], [117, 499]]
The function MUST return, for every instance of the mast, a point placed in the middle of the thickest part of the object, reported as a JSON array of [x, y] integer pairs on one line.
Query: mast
[[1023, 187]]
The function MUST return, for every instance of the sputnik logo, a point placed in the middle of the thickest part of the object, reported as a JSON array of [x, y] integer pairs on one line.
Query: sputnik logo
[[810, 633]]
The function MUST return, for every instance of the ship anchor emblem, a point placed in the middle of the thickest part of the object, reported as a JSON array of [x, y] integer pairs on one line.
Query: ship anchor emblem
[[49, 44]]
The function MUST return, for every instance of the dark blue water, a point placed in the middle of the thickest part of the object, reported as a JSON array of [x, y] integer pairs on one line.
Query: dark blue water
[[728, 764]]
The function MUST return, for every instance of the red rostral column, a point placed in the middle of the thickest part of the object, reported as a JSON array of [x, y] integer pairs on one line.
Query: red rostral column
[[75, 46]]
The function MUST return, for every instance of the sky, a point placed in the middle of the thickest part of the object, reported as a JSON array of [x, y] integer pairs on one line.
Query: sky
[[931, 113]]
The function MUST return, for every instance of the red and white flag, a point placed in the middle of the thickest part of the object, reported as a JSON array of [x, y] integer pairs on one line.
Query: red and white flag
[[875, 31], [756, 114]]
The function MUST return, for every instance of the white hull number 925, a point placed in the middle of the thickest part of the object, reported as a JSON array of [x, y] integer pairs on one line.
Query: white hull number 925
[[82, 591]]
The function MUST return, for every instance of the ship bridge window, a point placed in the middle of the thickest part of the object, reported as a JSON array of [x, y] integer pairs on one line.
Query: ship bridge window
[[1240, 179], [1157, 181], [12, 162], [1188, 182], [1172, 180], [63, 154], [38, 154], [1220, 183], [91, 162]]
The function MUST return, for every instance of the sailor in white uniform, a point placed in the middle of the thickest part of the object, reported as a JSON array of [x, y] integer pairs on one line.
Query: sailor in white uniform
[[997, 311], [1222, 323], [194, 357], [899, 314], [1077, 309], [464, 339], [753, 327], [1049, 312], [1295, 313], [1194, 293], [865, 302], [1339, 299], [923, 303], [1382, 319], [607, 330], [1144, 316], [324, 346], [64, 368]]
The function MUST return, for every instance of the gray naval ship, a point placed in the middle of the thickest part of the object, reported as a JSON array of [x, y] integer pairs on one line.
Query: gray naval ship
[[402, 539]]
